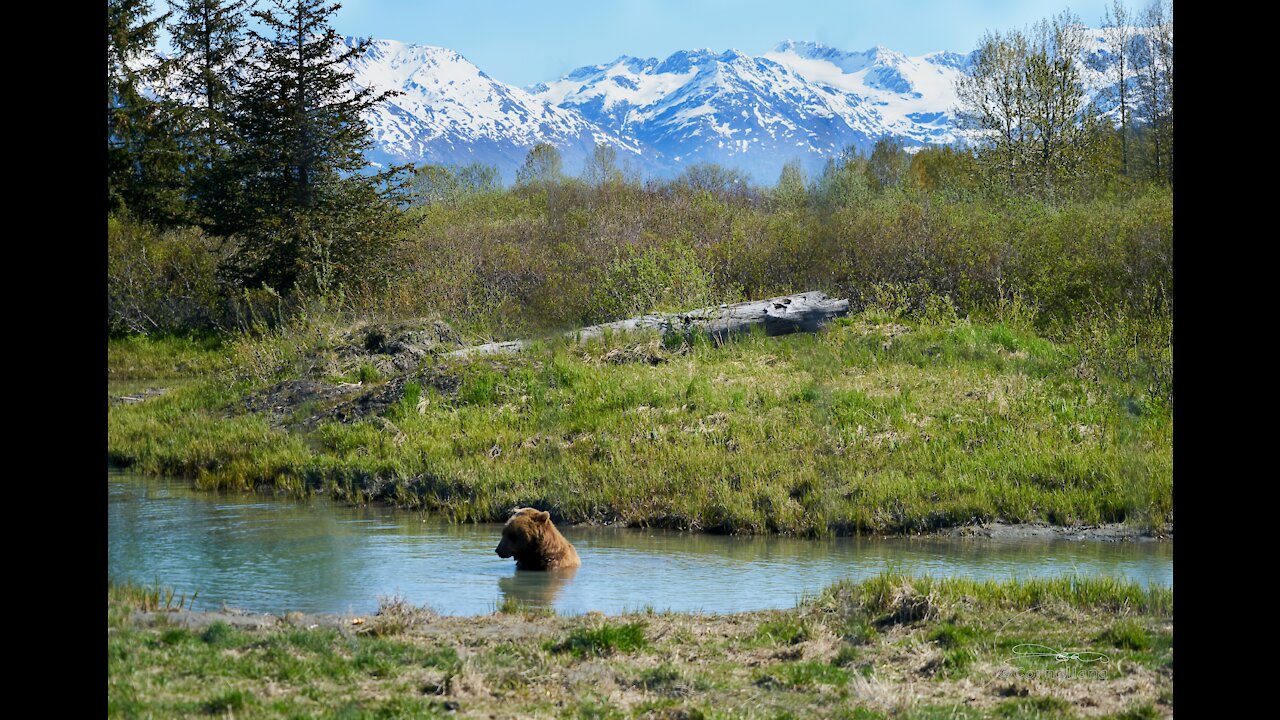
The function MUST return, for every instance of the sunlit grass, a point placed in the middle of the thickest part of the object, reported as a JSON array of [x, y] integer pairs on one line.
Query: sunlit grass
[[867, 427]]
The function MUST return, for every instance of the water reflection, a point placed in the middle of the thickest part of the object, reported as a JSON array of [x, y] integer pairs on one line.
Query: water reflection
[[535, 588], [271, 555]]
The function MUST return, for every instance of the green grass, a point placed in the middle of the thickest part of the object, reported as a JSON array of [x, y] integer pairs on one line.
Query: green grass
[[877, 595], [603, 639], [152, 598], [786, 631], [802, 675], [671, 665], [859, 429], [137, 357]]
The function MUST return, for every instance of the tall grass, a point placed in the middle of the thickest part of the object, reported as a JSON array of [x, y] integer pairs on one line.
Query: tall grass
[[880, 594], [890, 421]]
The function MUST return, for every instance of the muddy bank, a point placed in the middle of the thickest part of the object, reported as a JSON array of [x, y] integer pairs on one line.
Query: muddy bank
[[137, 396], [1110, 532]]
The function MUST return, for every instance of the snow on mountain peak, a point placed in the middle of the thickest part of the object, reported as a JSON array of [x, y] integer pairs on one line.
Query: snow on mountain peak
[[801, 99]]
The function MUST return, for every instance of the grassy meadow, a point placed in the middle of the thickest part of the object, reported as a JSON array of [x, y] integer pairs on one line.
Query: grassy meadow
[[883, 423], [890, 647]]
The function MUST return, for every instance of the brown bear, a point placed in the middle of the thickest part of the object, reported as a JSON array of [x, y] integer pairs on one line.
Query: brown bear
[[535, 543]]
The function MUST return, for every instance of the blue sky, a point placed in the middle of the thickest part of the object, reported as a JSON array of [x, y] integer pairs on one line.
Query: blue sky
[[522, 42]]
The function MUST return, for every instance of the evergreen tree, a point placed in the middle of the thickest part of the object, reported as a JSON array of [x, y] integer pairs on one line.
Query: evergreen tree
[[208, 37], [293, 186], [144, 163]]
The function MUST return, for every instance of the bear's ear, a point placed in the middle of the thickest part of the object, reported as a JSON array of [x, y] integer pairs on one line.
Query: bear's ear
[[541, 516]]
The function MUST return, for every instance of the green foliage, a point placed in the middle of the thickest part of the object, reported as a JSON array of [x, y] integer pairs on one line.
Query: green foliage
[[542, 166], [1135, 346], [1153, 66], [946, 171], [1126, 634], [888, 165], [604, 639], [802, 675], [149, 599], [883, 592], [144, 160], [711, 180], [207, 37], [787, 631], [229, 702], [655, 277], [950, 636], [871, 426], [512, 605], [791, 192], [512, 264], [161, 281], [1038, 708], [1025, 93], [221, 635], [1137, 711], [292, 186], [845, 181], [450, 184], [602, 168]]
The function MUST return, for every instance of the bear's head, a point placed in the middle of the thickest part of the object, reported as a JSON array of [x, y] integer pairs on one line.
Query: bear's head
[[524, 532]]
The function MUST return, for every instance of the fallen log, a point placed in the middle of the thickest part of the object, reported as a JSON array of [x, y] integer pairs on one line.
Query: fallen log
[[804, 312]]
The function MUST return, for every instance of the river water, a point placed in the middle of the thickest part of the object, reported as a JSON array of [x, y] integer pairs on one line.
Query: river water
[[275, 555]]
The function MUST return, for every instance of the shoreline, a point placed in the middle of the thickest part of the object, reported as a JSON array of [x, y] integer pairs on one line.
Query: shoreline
[[951, 427], [889, 647], [994, 530]]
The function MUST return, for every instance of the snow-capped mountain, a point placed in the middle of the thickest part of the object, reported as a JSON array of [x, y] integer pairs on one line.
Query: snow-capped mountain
[[452, 112], [800, 100]]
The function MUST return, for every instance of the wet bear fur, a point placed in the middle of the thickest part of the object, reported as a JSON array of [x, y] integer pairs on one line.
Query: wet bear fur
[[535, 543]]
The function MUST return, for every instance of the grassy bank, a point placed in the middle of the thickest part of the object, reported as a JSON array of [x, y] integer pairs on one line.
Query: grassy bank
[[890, 647], [885, 423]]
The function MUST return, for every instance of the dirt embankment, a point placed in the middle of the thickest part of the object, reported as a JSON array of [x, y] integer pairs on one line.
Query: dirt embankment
[[1107, 532], [396, 354]]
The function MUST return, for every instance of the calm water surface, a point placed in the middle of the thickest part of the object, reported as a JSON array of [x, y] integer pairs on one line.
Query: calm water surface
[[268, 555]]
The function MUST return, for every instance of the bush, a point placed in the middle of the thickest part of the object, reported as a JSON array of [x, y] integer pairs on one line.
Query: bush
[[161, 281]]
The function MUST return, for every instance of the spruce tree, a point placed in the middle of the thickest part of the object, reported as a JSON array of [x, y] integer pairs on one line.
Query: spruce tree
[[208, 39], [144, 162], [294, 186]]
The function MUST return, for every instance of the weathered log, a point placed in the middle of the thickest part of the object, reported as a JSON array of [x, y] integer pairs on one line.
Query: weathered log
[[804, 312]]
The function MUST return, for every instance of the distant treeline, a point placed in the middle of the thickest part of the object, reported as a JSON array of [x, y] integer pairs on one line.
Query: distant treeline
[[1059, 211], [560, 252]]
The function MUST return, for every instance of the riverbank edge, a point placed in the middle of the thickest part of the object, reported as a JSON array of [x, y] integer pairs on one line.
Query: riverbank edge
[[998, 530], [359, 482], [892, 647]]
